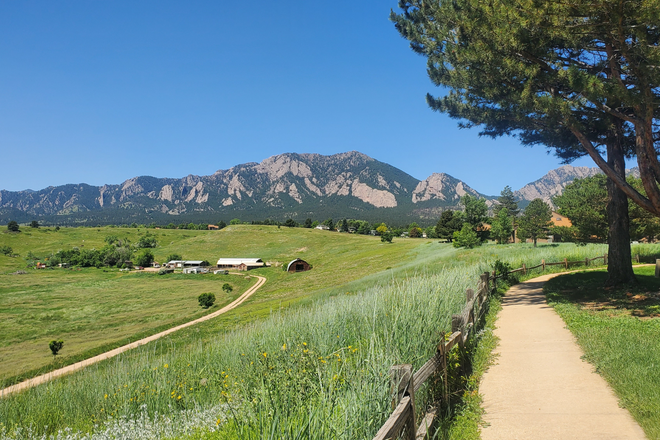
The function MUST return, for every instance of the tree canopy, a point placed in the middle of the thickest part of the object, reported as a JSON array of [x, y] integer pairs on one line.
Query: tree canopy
[[535, 221], [575, 76]]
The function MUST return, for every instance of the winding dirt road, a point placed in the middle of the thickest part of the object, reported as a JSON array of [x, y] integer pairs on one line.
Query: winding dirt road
[[108, 354]]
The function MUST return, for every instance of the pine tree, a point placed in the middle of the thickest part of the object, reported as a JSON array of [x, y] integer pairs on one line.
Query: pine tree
[[507, 200], [535, 221]]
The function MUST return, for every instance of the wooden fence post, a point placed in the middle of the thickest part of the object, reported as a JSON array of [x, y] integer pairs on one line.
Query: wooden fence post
[[637, 257], [485, 281], [586, 261], [566, 262], [401, 380], [543, 265], [657, 268], [524, 269], [605, 259], [442, 348]]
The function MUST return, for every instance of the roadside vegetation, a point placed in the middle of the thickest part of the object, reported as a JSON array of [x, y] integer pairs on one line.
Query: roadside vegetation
[[619, 330], [319, 369]]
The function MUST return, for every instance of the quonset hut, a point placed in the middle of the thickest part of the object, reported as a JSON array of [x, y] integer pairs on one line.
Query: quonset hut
[[298, 265]]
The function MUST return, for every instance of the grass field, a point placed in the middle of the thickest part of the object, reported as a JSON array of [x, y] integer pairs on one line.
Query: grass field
[[319, 367], [619, 330], [93, 310]]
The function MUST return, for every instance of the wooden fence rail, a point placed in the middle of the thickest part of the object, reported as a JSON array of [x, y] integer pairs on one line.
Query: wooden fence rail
[[405, 383]]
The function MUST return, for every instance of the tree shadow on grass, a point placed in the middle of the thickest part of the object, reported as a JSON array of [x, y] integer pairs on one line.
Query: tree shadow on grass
[[587, 290]]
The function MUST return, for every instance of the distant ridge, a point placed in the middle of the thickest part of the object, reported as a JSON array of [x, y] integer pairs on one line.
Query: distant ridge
[[290, 185]]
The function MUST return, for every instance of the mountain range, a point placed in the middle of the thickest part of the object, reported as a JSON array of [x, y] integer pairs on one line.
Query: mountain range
[[346, 185]]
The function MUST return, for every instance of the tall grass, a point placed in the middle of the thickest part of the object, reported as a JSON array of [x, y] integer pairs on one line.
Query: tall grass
[[319, 371]]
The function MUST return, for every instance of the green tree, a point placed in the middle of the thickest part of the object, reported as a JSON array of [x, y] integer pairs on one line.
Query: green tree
[[227, 288], [466, 237], [380, 230], [513, 71], [535, 221], [34, 224], [235, 221], [386, 237], [414, 231], [12, 226], [206, 300], [222, 224], [147, 241], [308, 223], [475, 214], [507, 200], [144, 258], [450, 222], [55, 347], [330, 224], [502, 226], [584, 202], [290, 223]]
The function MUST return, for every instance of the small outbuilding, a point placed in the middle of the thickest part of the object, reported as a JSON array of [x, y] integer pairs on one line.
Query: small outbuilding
[[298, 265], [241, 264]]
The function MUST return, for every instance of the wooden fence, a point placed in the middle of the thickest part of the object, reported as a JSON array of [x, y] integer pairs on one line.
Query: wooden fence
[[405, 383]]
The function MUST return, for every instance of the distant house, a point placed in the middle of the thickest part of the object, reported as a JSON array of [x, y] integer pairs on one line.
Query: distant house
[[323, 227], [155, 264], [242, 264], [298, 265], [41, 265], [213, 227]]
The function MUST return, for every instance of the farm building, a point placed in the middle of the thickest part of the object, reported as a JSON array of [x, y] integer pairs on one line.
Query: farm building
[[298, 265], [195, 270], [186, 263], [240, 263]]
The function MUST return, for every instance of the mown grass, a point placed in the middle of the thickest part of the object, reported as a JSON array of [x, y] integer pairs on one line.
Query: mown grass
[[318, 369], [619, 335]]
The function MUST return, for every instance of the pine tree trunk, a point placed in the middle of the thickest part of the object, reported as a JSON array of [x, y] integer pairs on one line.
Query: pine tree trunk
[[619, 268]]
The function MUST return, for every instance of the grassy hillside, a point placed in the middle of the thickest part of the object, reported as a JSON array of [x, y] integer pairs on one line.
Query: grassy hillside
[[319, 370], [95, 309]]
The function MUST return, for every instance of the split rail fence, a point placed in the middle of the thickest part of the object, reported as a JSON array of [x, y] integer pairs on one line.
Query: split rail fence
[[405, 383]]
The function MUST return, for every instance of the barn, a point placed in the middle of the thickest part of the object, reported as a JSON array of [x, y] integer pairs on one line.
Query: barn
[[298, 265], [240, 263]]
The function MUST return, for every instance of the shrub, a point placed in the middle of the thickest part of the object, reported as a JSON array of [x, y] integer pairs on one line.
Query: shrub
[[227, 287], [6, 250], [386, 237], [12, 226], [466, 237], [206, 300], [174, 257], [55, 346]]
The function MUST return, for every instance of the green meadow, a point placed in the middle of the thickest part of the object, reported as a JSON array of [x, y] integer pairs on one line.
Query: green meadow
[[307, 357], [94, 310]]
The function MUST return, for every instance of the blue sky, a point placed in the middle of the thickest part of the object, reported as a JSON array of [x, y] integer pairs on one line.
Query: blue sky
[[99, 92]]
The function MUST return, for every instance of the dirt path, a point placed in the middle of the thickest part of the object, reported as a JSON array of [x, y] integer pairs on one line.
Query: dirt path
[[108, 354], [540, 388]]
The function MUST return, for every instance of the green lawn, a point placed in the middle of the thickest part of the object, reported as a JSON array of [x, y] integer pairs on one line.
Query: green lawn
[[619, 330], [93, 310]]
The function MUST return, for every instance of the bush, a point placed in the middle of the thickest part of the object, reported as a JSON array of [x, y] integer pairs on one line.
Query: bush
[[12, 226], [56, 346], [227, 287], [6, 250], [174, 257], [206, 300], [386, 237], [466, 238]]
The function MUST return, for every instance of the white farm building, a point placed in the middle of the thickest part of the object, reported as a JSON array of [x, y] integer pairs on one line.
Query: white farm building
[[240, 263]]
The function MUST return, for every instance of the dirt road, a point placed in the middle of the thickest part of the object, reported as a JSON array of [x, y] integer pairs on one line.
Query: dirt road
[[108, 354]]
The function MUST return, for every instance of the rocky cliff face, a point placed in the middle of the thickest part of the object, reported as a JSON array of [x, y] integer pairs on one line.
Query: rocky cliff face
[[553, 183], [288, 185]]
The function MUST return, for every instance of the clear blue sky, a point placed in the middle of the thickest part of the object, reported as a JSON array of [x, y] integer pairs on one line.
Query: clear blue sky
[[99, 92]]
